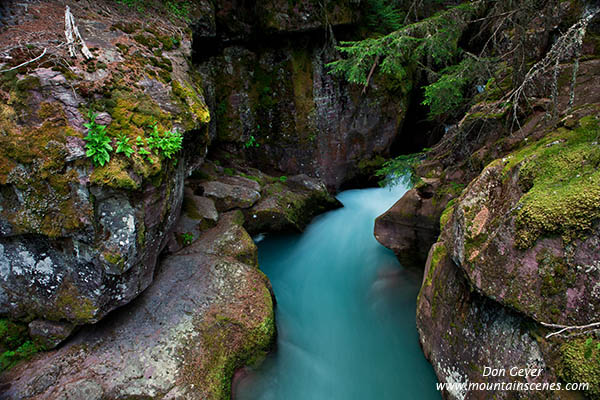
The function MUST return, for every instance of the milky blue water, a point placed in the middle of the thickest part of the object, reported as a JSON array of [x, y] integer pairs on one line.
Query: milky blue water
[[345, 312]]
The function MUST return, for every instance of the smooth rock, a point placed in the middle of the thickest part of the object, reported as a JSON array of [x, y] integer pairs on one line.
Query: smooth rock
[[227, 197]]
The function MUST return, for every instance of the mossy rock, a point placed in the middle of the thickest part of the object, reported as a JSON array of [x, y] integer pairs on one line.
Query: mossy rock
[[561, 177], [576, 367]]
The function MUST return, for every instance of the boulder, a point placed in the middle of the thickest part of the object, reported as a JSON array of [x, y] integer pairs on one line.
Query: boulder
[[49, 334], [461, 332], [411, 225], [228, 197], [208, 311], [197, 215], [527, 230], [518, 251], [289, 206]]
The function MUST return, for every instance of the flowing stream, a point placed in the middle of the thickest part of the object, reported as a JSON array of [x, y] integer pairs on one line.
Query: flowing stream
[[345, 312]]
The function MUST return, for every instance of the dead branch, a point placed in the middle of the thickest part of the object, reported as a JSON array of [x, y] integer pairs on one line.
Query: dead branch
[[565, 328], [564, 48], [370, 74], [72, 34], [26, 62]]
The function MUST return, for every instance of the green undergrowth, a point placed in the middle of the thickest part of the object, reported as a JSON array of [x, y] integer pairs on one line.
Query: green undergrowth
[[560, 177], [15, 344]]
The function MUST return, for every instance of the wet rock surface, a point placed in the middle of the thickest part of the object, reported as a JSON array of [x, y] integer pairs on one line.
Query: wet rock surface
[[228, 197], [518, 250], [284, 204]]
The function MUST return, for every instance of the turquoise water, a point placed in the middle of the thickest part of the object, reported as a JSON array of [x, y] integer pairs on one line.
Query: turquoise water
[[345, 312]]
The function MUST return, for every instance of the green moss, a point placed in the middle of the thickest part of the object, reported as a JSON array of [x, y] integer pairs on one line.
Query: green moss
[[228, 344], [189, 208], [447, 214], [439, 253], [71, 305], [229, 171], [562, 177], [575, 367], [115, 259], [168, 42], [12, 334], [195, 110], [252, 177], [132, 116], [447, 190], [147, 40], [46, 183], [123, 48], [127, 27], [556, 277], [114, 174], [15, 344]]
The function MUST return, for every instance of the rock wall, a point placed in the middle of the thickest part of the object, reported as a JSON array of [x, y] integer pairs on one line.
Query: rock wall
[[274, 102]]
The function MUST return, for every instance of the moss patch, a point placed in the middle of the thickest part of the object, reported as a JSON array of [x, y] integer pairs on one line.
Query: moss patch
[[561, 175], [439, 253], [228, 341], [447, 214], [578, 368], [71, 305]]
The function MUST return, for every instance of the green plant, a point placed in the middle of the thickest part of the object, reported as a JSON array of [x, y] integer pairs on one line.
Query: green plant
[[146, 154], [229, 171], [400, 169], [179, 8], [447, 93], [97, 143], [251, 142], [165, 144], [283, 179], [382, 16], [123, 146], [187, 238]]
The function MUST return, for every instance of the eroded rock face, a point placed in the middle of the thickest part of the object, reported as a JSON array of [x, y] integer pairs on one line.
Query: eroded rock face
[[208, 311], [228, 197], [278, 106], [528, 238], [289, 206], [78, 240]]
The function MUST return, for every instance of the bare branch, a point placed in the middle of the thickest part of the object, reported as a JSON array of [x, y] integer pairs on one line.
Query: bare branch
[[25, 63], [565, 47], [564, 328], [72, 34]]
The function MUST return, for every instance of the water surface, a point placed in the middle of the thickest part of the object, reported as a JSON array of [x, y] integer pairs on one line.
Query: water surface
[[345, 312]]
